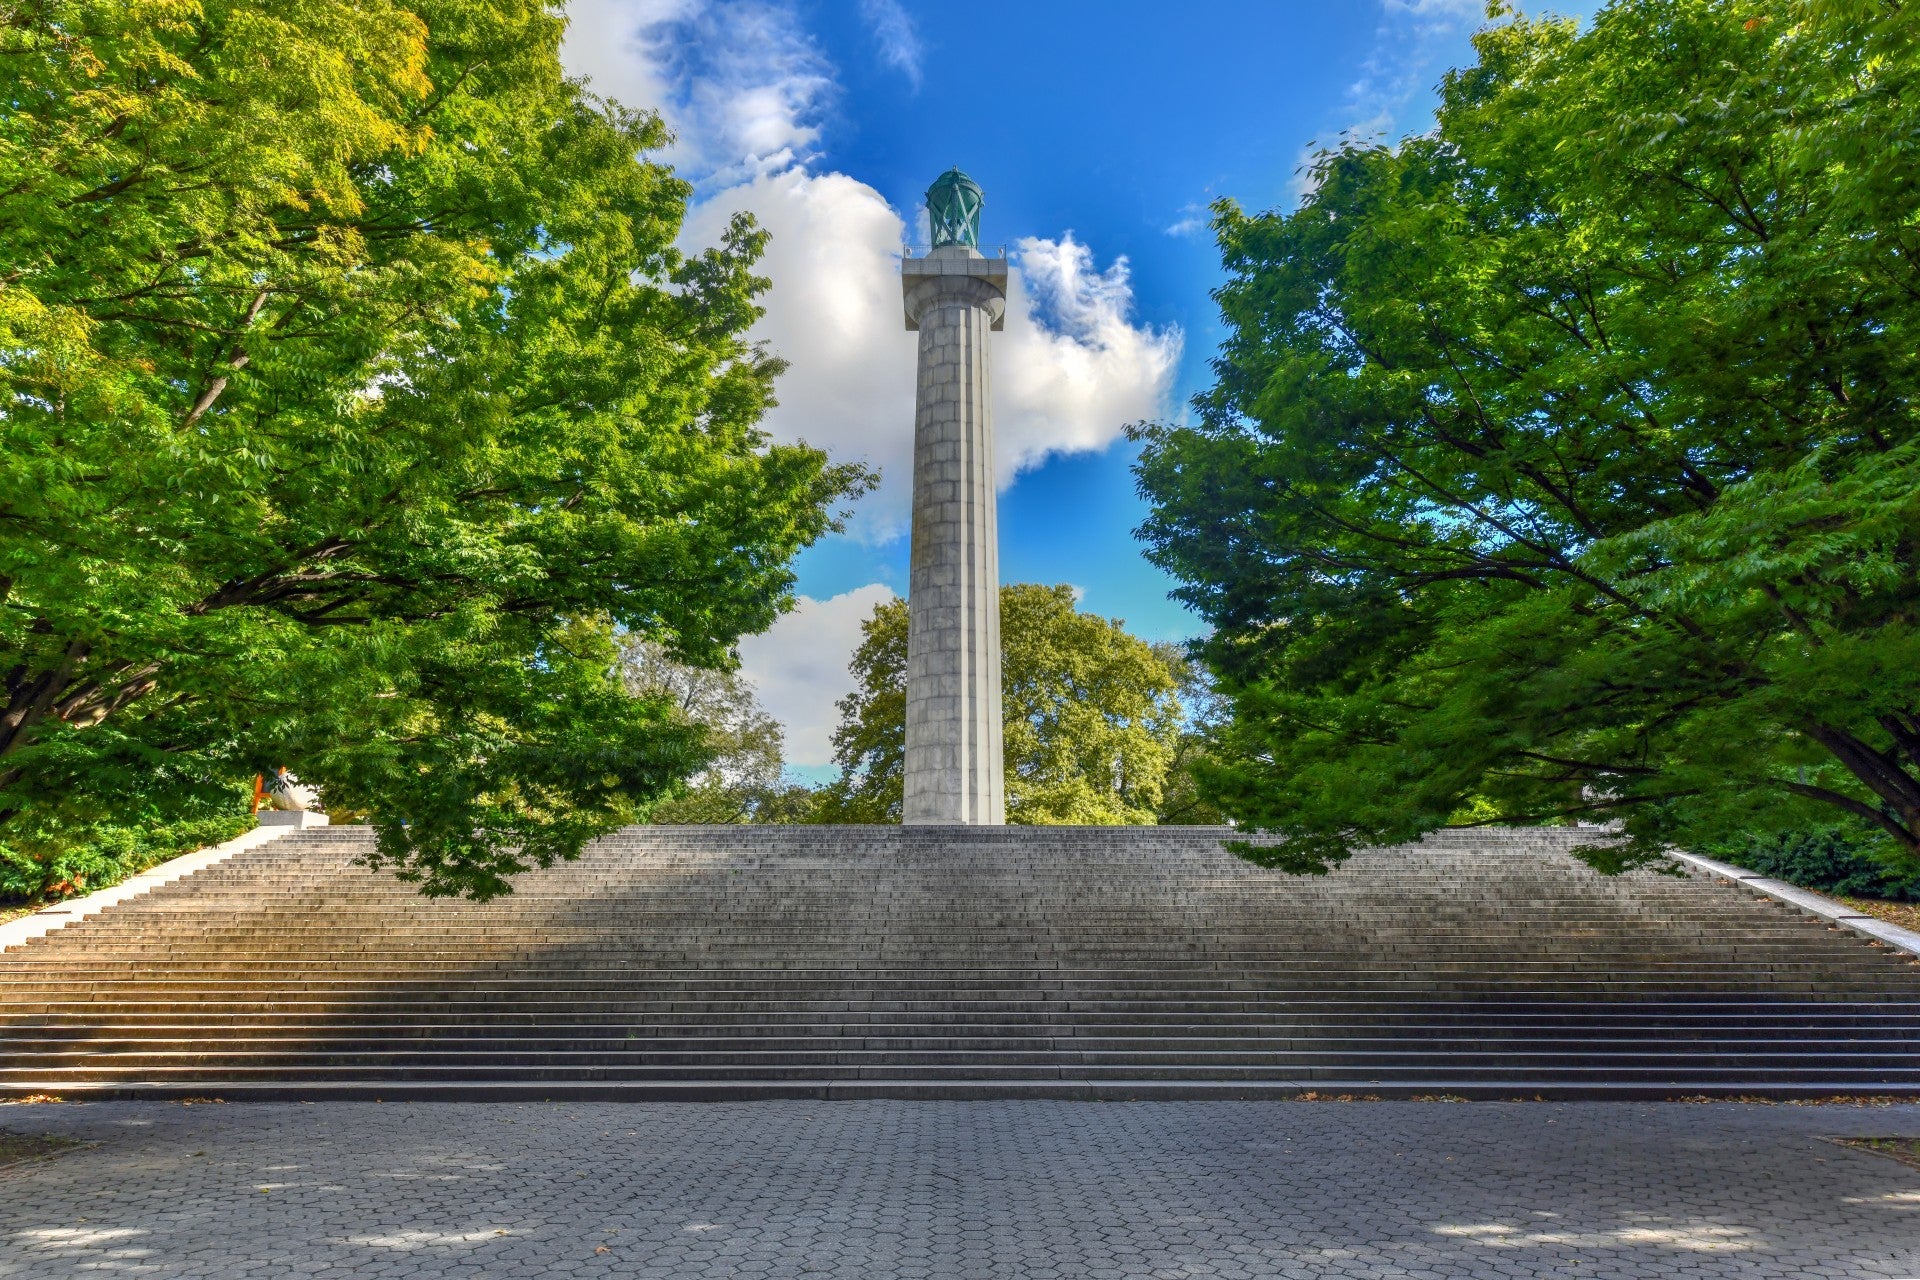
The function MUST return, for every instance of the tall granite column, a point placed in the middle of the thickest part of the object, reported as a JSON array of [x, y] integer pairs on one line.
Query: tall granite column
[[954, 297]]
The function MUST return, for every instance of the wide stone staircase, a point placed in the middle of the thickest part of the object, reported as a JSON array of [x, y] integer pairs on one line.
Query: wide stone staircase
[[955, 962]]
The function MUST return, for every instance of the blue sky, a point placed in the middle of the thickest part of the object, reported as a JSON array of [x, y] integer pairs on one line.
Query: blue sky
[[1099, 131]]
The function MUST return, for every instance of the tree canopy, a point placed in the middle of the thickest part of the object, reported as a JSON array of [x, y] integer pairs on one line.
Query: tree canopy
[[1090, 714], [1203, 713], [745, 777], [1562, 463], [351, 388]]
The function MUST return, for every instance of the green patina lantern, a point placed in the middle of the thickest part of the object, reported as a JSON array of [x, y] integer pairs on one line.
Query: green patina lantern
[[953, 207]]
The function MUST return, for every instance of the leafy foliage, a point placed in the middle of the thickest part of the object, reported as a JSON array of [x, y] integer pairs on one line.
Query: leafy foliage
[[105, 855], [1203, 713], [1562, 462], [870, 743], [347, 365], [745, 780], [1830, 859], [1090, 717]]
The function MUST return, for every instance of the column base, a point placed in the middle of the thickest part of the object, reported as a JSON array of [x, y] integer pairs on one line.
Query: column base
[[291, 818], [946, 822]]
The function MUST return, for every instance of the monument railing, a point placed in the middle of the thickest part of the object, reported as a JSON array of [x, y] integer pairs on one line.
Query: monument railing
[[985, 251]]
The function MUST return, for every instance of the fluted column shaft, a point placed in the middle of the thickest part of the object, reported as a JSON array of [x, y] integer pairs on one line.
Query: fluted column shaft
[[953, 744]]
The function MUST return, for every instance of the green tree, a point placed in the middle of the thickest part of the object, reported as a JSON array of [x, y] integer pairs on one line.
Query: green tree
[[1203, 712], [1830, 859], [348, 366], [745, 778], [1090, 715], [1562, 462]]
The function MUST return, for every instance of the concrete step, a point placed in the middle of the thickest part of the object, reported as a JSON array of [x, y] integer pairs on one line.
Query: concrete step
[[718, 962]]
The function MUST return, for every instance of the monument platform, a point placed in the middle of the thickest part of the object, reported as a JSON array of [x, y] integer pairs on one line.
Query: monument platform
[[957, 962]]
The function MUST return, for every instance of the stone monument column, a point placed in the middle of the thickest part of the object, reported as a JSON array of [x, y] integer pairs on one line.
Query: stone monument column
[[954, 296]]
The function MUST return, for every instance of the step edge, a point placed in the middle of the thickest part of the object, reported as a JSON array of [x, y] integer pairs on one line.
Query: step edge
[[1814, 904], [59, 915], [1063, 1088]]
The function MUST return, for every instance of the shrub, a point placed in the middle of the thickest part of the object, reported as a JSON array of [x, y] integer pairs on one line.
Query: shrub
[[107, 855], [1829, 859]]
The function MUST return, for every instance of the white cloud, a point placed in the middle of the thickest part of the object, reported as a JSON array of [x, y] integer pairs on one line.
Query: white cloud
[[1193, 218], [756, 88], [1070, 370], [1411, 38], [1437, 10], [738, 80], [745, 88], [799, 668], [612, 44], [893, 31], [743, 85], [1413, 41], [1074, 368], [834, 313]]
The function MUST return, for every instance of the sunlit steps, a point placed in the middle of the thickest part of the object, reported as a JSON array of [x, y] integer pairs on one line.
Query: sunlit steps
[[927, 962]]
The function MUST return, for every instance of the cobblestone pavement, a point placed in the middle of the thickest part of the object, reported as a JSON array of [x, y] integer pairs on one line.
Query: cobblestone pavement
[[955, 1189]]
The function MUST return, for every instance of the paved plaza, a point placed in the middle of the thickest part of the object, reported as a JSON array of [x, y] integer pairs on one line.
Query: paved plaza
[[955, 1189]]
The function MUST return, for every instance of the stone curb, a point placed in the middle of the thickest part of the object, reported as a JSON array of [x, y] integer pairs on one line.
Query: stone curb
[[61, 914], [1813, 904]]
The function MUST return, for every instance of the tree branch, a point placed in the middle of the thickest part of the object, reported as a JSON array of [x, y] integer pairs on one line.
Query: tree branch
[[236, 360], [1860, 809]]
